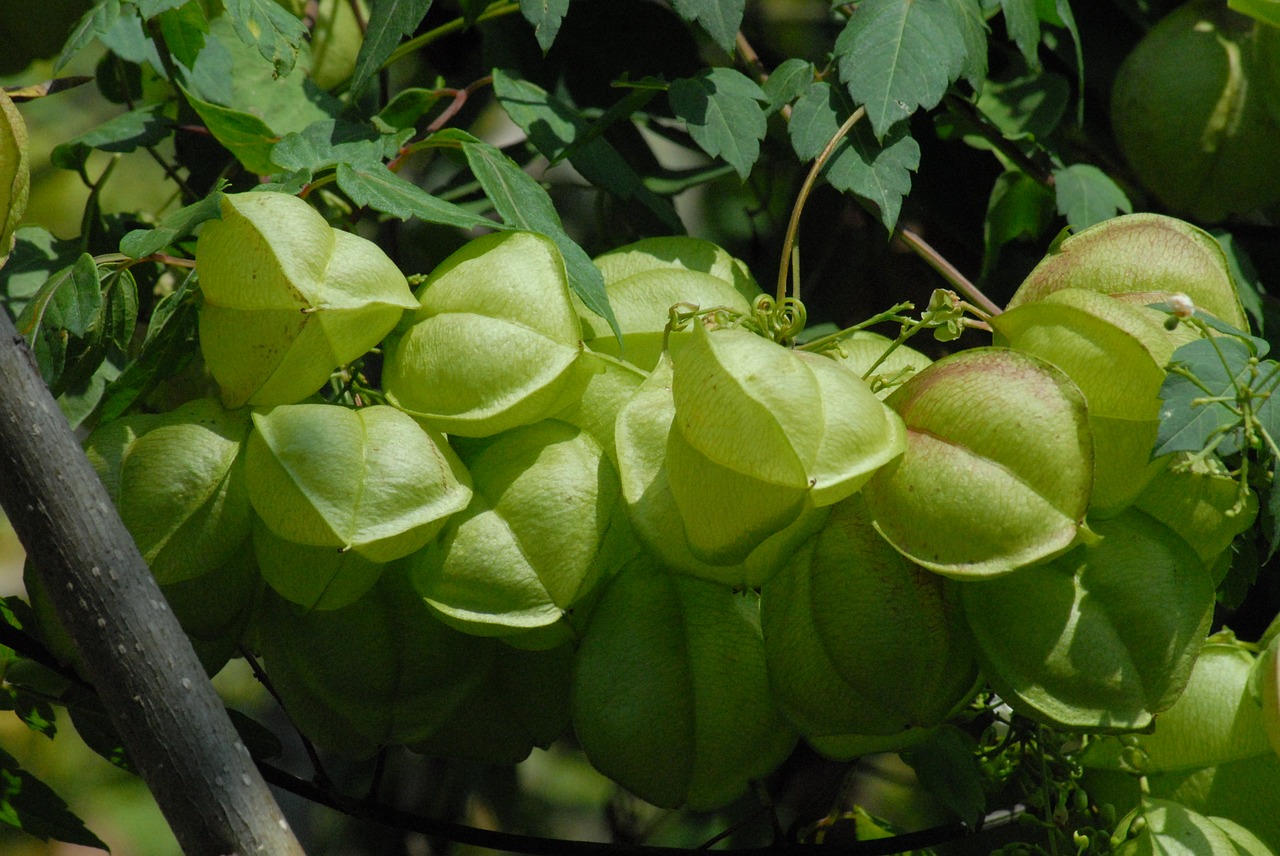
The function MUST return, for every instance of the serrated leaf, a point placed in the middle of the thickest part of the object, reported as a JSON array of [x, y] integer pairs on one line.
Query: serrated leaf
[[127, 132], [720, 18], [1023, 26], [898, 55], [96, 21], [381, 189], [179, 224], [268, 25], [545, 16], [389, 21], [877, 171], [788, 82], [1058, 13], [328, 142], [1086, 195], [168, 348], [722, 110], [151, 8], [557, 130], [29, 804], [70, 303], [243, 134], [36, 255], [1019, 207], [1196, 411], [184, 30], [523, 204]]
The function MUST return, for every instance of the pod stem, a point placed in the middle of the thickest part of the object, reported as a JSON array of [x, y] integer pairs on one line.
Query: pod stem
[[793, 227]]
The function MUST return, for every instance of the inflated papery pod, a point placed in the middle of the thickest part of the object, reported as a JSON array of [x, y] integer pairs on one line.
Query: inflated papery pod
[[288, 299], [1101, 638], [545, 523], [1140, 259], [493, 342], [1116, 353], [793, 420], [644, 429], [670, 694], [645, 279], [363, 487], [15, 172], [521, 704], [998, 467], [380, 671], [178, 481], [1209, 752], [860, 641]]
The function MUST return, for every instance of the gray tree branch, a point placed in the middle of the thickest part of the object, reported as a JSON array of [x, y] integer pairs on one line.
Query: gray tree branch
[[168, 715]]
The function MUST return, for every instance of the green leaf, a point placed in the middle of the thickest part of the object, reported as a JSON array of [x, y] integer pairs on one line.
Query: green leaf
[[184, 30], [382, 190], [523, 204], [127, 132], [877, 171], [36, 256], [556, 129], [1266, 11], [723, 112], [1023, 26], [151, 8], [1058, 13], [328, 142], [720, 18], [179, 224], [946, 765], [1086, 195], [1019, 207], [408, 106], [1196, 411], [1244, 274], [788, 82], [389, 21], [168, 349], [243, 134], [545, 16], [70, 303], [96, 21], [268, 25], [1025, 108], [898, 55], [29, 804]]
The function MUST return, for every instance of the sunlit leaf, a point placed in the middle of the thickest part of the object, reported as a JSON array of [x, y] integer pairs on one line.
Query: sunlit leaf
[[723, 111]]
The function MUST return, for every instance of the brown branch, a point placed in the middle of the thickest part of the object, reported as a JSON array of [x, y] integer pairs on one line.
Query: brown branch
[[168, 715]]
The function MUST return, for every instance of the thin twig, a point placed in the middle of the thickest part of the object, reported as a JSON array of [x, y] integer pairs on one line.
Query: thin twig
[[949, 272]]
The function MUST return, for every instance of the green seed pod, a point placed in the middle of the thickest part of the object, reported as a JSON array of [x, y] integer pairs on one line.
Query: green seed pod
[[369, 480], [1199, 502], [537, 536], [15, 173], [287, 299], [215, 608], [1190, 113], [378, 672], [1142, 259], [1100, 638], [1116, 353], [670, 695], [493, 342], [998, 468], [312, 577], [182, 491], [644, 430], [813, 426], [677, 253], [860, 641], [609, 384], [522, 703]]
